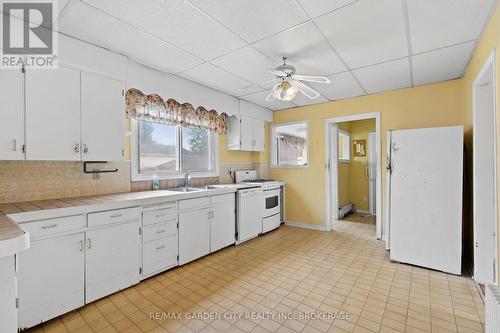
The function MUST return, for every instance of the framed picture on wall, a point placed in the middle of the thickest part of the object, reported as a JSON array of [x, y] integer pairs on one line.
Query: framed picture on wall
[[359, 148]]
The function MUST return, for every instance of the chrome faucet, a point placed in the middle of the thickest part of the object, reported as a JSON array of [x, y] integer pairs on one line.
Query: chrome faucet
[[187, 179]]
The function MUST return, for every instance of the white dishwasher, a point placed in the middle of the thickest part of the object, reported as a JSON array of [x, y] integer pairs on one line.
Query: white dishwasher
[[250, 213]]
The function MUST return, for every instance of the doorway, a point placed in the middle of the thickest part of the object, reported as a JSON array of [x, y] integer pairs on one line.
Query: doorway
[[353, 170], [484, 175]]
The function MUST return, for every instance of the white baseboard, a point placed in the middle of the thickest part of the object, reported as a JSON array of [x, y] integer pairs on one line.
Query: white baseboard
[[306, 226], [362, 211]]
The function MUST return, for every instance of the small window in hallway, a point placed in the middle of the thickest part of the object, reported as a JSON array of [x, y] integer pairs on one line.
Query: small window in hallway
[[344, 146]]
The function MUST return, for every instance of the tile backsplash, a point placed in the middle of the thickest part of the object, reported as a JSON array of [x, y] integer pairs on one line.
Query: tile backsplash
[[43, 180]]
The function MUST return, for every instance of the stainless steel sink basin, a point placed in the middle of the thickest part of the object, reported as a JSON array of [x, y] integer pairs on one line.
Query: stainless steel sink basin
[[187, 189]]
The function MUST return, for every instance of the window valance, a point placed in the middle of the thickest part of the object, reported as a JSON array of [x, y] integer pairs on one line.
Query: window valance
[[154, 109], [292, 142]]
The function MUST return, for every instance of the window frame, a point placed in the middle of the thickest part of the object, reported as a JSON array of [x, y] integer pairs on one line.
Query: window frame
[[274, 147], [174, 174], [344, 160]]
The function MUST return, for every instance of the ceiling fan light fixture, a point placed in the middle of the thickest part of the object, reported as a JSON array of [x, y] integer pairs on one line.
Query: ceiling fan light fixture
[[286, 92]]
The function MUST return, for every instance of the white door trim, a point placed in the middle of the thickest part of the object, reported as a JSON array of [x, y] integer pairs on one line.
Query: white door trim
[[372, 207], [490, 61], [331, 154]]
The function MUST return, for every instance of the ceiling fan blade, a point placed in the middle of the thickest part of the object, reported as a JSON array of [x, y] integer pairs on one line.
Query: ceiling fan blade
[[270, 96], [276, 72], [305, 89], [311, 78]]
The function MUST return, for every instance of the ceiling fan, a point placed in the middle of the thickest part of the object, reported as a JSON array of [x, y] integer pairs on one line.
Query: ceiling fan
[[290, 84]]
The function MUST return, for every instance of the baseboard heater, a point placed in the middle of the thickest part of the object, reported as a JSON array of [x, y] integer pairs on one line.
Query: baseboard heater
[[492, 309], [346, 209]]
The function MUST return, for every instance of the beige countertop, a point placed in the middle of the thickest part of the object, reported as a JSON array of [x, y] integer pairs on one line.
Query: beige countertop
[[20, 212]]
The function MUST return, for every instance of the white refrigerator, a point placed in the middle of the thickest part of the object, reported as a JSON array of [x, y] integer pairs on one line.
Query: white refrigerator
[[425, 206]]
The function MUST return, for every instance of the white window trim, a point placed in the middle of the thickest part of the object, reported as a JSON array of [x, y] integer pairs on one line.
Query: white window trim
[[272, 150], [346, 160], [134, 160]]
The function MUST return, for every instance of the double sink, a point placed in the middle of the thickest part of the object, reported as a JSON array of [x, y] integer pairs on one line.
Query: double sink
[[192, 188]]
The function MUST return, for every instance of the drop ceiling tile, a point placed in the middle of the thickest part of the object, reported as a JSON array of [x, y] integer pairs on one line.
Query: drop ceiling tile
[[316, 8], [259, 98], [177, 22], [247, 63], [306, 49], [440, 65], [214, 77], [387, 76], [343, 85], [435, 24], [86, 23], [301, 100], [366, 32], [255, 19]]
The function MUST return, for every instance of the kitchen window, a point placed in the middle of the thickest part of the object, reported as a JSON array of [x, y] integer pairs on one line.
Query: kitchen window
[[344, 146], [290, 145], [169, 151]]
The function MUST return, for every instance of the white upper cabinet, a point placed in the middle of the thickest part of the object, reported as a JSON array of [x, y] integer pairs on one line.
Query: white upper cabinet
[[53, 114], [103, 118], [246, 134], [259, 135], [12, 115]]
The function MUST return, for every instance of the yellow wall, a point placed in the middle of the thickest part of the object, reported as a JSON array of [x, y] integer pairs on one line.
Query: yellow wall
[[433, 105], [489, 41], [358, 167]]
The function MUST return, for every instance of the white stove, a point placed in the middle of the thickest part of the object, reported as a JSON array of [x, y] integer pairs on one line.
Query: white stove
[[249, 177], [267, 200]]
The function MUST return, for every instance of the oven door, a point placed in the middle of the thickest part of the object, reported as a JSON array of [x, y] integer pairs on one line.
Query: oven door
[[272, 202]]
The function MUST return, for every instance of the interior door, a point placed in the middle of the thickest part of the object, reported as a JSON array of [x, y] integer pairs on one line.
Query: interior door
[[53, 114], [259, 135], [246, 133], [113, 259], [484, 180], [372, 172], [11, 109], [426, 197], [50, 279], [103, 118]]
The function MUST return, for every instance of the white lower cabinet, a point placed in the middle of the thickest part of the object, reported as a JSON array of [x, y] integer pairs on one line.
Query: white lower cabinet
[[50, 278], [194, 234], [113, 259], [222, 222]]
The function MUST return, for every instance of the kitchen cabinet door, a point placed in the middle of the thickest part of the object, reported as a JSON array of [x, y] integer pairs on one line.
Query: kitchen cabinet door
[[53, 114], [50, 279], [12, 115], [222, 226], [259, 135], [103, 118], [194, 235], [113, 259], [246, 133]]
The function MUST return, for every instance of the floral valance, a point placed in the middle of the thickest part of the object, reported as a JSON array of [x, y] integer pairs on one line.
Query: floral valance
[[292, 142], [154, 109]]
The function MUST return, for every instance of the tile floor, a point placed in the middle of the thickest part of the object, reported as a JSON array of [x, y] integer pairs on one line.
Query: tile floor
[[361, 218], [291, 271]]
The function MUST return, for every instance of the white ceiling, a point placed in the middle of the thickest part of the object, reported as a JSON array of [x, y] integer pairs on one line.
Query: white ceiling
[[364, 46]]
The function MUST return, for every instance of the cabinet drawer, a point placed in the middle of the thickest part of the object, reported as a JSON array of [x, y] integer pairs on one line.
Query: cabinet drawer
[[157, 231], [54, 226], [194, 203], [159, 214], [230, 197], [114, 216], [159, 255]]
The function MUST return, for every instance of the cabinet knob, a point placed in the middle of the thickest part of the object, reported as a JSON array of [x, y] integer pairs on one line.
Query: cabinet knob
[[89, 244], [15, 145], [76, 148], [85, 148]]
